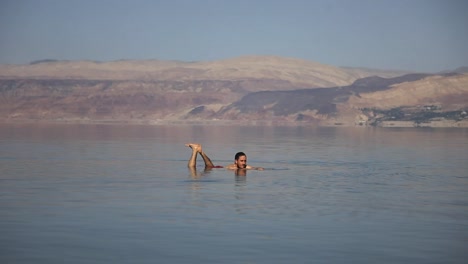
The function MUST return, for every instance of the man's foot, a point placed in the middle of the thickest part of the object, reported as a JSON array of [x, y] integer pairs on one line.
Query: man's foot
[[194, 146]]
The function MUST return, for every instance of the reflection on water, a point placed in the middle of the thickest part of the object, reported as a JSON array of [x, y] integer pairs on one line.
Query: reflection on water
[[241, 177], [120, 194]]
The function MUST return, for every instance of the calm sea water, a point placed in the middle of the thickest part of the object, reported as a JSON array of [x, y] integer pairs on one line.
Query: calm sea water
[[123, 194]]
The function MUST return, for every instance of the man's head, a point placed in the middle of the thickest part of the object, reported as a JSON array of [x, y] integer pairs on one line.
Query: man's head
[[240, 160]]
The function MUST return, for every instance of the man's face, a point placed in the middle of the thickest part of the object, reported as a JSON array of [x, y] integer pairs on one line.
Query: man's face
[[241, 162]]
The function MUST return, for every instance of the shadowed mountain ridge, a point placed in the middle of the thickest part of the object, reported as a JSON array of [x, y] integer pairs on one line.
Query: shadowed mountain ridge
[[243, 89]]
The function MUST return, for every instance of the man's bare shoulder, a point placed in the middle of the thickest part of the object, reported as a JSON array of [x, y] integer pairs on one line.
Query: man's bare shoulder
[[231, 167], [234, 167]]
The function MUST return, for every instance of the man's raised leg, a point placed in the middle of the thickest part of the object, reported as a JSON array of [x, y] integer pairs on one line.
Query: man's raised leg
[[196, 148], [192, 163], [208, 163]]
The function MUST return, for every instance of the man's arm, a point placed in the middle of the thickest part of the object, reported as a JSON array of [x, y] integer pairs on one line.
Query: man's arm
[[254, 168]]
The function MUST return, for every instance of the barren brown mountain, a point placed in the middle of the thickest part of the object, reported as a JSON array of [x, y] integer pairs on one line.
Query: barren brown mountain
[[247, 89], [409, 100], [299, 73]]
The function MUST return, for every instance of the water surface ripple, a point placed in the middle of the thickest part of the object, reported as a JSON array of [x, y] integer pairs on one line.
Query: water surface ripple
[[123, 194]]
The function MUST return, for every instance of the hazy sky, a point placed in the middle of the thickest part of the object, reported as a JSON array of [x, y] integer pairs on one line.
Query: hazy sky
[[420, 35]]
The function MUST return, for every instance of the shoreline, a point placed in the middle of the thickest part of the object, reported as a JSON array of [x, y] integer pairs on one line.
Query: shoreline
[[384, 124]]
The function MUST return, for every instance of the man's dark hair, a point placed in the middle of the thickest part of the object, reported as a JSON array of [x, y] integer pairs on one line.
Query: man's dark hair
[[239, 154]]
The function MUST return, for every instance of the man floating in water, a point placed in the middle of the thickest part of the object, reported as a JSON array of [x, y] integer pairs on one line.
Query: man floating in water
[[240, 159]]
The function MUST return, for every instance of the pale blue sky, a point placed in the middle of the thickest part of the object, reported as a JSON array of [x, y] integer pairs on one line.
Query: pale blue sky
[[419, 35]]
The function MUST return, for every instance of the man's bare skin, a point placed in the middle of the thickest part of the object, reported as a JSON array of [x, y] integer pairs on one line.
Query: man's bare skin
[[240, 161], [197, 148]]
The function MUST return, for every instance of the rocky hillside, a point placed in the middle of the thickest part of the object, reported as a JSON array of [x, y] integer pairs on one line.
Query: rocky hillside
[[409, 100], [298, 73], [249, 89]]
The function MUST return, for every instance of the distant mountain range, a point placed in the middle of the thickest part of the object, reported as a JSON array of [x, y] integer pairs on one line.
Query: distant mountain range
[[244, 90]]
